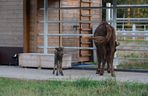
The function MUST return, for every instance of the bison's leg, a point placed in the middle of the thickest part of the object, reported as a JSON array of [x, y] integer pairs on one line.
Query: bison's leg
[[102, 67], [108, 65], [98, 69], [103, 59], [55, 65], [60, 66], [111, 62], [112, 69], [54, 69], [99, 61]]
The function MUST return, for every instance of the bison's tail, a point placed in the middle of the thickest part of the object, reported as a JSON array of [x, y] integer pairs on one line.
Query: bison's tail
[[109, 32], [99, 39]]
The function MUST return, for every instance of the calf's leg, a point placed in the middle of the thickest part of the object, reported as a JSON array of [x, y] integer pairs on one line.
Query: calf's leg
[[60, 68], [55, 65], [54, 69]]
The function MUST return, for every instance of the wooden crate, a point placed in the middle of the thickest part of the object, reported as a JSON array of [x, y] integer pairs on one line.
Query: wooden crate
[[42, 60], [29, 60]]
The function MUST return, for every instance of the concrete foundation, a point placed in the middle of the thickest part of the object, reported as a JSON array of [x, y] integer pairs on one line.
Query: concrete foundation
[[41, 60]]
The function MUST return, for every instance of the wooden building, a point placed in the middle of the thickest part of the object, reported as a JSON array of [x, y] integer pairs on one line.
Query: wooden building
[[11, 29], [22, 30]]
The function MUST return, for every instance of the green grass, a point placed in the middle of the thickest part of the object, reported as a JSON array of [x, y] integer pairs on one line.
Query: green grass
[[83, 87], [136, 41], [125, 65], [133, 66]]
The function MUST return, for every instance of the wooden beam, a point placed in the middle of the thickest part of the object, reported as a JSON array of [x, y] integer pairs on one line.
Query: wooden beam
[[26, 19], [36, 21]]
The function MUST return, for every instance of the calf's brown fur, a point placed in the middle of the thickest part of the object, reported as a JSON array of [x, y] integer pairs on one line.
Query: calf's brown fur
[[58, 58]]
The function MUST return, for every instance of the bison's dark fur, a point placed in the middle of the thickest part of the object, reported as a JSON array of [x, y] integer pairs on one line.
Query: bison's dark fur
[[105, 41], [58, 58]]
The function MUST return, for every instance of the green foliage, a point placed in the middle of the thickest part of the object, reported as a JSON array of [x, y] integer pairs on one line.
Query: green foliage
[[82, 87], [132, 12]]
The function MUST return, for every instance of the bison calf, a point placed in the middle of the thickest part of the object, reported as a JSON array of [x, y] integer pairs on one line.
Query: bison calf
[[58, 57]]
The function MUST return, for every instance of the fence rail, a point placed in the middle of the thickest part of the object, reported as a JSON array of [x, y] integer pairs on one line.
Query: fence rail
[[93, 48], [99, 7], [85, 35]]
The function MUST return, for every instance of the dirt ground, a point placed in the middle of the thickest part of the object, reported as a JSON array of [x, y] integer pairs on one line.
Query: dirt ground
[[69, 74]]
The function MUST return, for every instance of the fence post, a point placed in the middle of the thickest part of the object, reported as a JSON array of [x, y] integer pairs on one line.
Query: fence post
[[45, 26], [124, 33], [94, 51], [145, 30], [108, 13], [114, 23], [133, 31]]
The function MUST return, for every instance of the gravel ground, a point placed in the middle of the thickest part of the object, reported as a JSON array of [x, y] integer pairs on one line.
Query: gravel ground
[[69, 74]]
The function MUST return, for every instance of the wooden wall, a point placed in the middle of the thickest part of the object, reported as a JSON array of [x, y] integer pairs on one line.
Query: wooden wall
[[36, 27], [11, 23], [11, 29]]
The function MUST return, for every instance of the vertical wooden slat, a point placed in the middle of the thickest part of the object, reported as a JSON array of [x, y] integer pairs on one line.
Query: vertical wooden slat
[[26, 19], [60, 38], [35, 22]]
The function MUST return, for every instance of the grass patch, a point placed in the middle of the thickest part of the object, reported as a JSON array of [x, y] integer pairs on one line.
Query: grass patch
[[137, 41], [133, 66], [83, 87]]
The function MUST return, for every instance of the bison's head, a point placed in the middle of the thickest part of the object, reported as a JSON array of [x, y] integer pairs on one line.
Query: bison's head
[[60, 51]]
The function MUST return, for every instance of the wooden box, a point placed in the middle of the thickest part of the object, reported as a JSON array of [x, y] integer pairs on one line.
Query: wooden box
[[42, 60]]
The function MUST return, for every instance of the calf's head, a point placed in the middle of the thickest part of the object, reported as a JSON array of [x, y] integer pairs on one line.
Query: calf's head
[[60, 51]]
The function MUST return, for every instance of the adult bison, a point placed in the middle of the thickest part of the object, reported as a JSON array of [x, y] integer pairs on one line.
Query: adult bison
[[105, 42]]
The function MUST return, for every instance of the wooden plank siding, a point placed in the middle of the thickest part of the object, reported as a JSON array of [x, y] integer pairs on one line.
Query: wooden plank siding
[[11, 23], [11, 30], [20, 26], [26, 20], [36, 15]]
